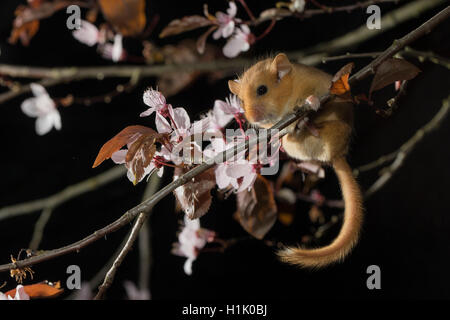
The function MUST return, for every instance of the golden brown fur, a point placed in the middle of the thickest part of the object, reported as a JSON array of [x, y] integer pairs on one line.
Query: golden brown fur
[[287, 85]]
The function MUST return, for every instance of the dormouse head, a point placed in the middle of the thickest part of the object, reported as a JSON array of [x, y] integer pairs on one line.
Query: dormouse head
[[265, 90]]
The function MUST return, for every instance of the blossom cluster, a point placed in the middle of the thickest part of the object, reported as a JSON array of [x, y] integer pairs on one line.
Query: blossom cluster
[[90, 35], [180, 135]]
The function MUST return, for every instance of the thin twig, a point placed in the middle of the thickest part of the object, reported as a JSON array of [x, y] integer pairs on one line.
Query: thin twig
[[300, 113], [429, 56], [109, 278], [145, 246], [310, 56], [39, 228], [279, 14]]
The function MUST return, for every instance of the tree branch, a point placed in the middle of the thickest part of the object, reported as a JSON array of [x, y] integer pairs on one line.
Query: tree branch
[[309, 56], [300, 113], [67, 194]]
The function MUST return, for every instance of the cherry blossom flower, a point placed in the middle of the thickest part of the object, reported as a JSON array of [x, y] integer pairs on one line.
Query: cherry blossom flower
[[42, 107], [157, 103], [191, 240], [239, 42], [134, 293], [226, 22], [241, 173], [223, 177], [223, 112], [20, 294], [87, 34]]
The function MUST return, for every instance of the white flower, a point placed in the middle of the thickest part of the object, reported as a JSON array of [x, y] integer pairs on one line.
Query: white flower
[[42, 107], [113, 51], [87, 34], [239, 42], [226, 22], [20, 294], [297, 6]]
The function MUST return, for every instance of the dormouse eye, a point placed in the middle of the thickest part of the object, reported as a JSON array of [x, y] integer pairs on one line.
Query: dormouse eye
[[261, 90]]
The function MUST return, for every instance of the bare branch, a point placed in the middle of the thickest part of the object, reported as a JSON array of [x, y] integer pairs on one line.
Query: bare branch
[[64, 195], [39, 228], [309, 56]]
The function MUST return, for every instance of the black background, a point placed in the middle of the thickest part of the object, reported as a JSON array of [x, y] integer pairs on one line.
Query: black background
[[406, 229]]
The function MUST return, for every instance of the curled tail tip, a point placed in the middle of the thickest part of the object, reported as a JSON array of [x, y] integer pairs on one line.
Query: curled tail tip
[[302, 258]]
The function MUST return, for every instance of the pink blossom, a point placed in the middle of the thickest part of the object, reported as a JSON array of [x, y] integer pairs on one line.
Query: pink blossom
[[223, 112], [87, 34], [223, 176], [134, 293], [20, 294], [191, 240], [157, 103], [226, 22], [239, 42], [243, 175], [42, 107]]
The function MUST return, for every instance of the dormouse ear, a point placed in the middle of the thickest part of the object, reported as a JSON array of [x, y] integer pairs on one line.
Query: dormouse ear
[[234, 86], [281, 65]]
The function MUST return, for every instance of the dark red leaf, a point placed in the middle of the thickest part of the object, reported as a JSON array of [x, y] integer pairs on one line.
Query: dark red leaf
[[140, 154], [195, 197], [256, 209], [119, 140]]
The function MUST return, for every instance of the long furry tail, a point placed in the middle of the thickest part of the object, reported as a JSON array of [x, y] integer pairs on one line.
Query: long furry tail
[[349, 234]]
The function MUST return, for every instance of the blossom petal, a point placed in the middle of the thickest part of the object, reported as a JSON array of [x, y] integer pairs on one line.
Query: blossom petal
[[188, 266], [154, 99], [56, 119], [44, 124], [87, 34], [21, 294], [234, 46], [148, 112], [30, 108], [162, 125], [119, 156], [232, 10], [228, 29], [222, 178], [38, 89], [117, 48], [181, 119]]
